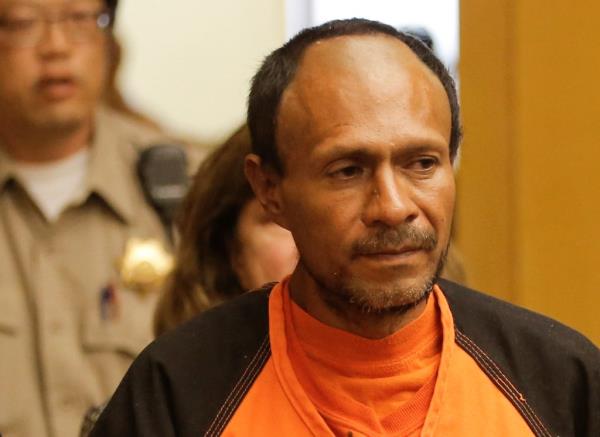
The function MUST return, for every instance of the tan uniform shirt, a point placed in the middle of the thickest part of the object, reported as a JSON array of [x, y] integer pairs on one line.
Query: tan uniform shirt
[[68, 327]]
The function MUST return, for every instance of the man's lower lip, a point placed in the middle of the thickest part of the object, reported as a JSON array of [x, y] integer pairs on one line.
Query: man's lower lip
[[58, 90]]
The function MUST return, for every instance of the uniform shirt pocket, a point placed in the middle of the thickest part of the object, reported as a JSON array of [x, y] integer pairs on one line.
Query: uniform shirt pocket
[[122, 324], [115, 331]]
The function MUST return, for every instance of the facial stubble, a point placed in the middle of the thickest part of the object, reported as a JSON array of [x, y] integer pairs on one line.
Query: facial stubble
[[352, 297]]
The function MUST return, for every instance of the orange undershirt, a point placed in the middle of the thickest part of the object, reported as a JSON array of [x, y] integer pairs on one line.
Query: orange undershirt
[[321, 382], [371, 387]]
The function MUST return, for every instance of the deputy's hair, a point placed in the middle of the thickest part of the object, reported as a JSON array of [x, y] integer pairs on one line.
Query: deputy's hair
[[203, 275], [279, 69]]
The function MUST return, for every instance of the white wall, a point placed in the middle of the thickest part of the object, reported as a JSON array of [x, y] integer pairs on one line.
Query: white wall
[[188, 62]]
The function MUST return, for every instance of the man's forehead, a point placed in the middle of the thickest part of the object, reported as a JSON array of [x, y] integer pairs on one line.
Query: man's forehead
[[355, 71], [361, 62], [353, 50]]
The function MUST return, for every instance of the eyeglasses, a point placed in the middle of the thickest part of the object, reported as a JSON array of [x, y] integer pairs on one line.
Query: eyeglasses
[[25, 25]]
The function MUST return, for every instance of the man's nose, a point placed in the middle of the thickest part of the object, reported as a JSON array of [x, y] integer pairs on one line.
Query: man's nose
[[390, 200], [55, 39]]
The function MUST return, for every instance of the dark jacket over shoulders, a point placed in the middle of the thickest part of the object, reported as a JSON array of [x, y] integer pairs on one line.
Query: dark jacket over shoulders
[[181, 381]]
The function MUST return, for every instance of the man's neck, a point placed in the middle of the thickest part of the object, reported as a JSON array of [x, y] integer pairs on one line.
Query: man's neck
[[304, 292], [45, 145]]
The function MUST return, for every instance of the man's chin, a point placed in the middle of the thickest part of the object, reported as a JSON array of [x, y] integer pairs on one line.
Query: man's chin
[[375, 297], [60, 117]]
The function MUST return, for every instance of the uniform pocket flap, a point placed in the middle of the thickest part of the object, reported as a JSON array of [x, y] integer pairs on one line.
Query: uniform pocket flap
[[122, 325]]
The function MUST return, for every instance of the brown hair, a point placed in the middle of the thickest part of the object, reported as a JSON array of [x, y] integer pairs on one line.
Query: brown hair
[[203, 275]]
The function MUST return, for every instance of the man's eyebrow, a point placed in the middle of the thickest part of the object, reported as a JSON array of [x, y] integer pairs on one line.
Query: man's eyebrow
[[348, 151], [365, 152], [359, 152], [417, 148]]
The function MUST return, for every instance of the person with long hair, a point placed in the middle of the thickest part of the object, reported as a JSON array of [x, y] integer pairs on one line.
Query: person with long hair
[[228, 244]]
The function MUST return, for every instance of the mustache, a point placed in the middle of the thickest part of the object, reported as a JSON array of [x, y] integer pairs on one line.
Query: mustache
[[395, 239]]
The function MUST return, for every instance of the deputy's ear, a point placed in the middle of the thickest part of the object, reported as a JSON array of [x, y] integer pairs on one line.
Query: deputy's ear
[[266, 184]]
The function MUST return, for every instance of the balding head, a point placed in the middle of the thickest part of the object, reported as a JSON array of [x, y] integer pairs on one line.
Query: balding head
[[346, 79]]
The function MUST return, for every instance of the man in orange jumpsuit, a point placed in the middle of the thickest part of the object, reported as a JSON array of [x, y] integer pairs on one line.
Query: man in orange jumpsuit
[[355, 129]]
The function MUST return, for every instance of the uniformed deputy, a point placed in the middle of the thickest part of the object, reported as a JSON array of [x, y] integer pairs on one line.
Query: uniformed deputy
[[81, 250]]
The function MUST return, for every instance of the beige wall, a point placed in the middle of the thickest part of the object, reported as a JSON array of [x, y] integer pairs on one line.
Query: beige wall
[[529, 184], [189, 62]]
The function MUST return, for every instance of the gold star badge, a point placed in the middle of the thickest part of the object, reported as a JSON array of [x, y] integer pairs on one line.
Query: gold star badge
[[145, 265]]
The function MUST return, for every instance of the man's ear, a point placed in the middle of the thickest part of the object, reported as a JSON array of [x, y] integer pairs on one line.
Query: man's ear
[[266, 184]]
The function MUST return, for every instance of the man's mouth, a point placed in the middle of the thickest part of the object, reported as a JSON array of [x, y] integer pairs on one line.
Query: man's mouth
[[57, 87], [391, 252]]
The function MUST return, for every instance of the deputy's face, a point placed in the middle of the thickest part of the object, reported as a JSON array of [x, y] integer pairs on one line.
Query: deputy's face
[[53, 64], [368, 190]]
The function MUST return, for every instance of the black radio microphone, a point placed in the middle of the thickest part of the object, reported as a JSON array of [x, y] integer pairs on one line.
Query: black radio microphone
[[162, 169]]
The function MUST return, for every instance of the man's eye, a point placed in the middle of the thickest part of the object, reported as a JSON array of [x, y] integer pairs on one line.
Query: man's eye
[[17, 24], [348, 172], [424, 164]]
